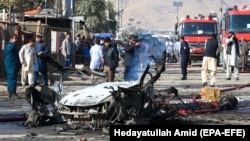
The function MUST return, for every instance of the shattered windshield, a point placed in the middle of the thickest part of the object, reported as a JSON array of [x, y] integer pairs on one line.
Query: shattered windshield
[[198, 28], [239, 23]]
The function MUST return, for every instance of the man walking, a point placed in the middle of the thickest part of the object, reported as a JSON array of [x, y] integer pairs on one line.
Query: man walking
[[110, 59], [209, 62], [96, 56], [42, 49]]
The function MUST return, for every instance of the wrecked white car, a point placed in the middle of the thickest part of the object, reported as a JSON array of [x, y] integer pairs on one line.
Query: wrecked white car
[[105, 103], [114, 102]]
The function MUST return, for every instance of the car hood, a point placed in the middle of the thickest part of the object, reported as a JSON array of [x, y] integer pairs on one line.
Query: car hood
[[93, 95]]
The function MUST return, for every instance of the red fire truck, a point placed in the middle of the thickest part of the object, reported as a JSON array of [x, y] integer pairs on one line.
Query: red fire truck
[[196, 31], [238, 21]]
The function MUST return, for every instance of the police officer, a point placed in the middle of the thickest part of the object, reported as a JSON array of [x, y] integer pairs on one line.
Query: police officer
[[184, 52]]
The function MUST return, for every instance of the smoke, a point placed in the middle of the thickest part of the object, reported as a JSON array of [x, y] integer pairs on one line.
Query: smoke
[[150, 52], [153, 50]]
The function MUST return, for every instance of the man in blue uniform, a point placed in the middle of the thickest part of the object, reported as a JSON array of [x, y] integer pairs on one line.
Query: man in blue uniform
[[12, 65], [42, 49], [184, 52]]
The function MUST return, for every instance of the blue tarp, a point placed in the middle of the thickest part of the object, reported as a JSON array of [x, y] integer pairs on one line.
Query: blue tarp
[[103, 35], [144, 36]]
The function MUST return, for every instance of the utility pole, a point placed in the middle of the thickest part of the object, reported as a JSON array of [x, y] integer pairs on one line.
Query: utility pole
[[10, 11], [177, 4], [12, 16], [57, 7], [73, 22], [120, 13], [73, 31], [221, 9], [120, 10]]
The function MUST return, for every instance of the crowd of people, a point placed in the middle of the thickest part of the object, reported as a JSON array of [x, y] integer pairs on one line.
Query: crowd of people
[[105, 55], [135, 53], [29, 59]]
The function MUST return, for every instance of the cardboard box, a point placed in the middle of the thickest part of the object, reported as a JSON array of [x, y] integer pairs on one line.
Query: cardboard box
[[210, 94]]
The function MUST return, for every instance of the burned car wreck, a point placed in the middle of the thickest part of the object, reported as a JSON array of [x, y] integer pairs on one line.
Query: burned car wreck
[[114, 103], [102, 104]]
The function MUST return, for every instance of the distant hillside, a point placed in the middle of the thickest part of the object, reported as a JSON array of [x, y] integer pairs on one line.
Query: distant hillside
[[161, 14]]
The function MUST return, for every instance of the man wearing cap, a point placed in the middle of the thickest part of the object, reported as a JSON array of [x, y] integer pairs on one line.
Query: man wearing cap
[[41, 49]]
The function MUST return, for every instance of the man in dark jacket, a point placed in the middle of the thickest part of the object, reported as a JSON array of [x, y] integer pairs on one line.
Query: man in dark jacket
[[233, 54], [12, 65], [132, 59], [184, 52], [110, 59], [42, 49], [209, 62]]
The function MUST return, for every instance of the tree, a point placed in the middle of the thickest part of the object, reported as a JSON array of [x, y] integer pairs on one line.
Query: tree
[[19, 5], [93, 12], [111, 16], [4, 4], [99, 15]]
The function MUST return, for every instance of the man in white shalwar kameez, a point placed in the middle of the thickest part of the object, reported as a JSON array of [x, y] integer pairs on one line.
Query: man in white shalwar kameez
[[209, 62], [28, 59], [232, 56]]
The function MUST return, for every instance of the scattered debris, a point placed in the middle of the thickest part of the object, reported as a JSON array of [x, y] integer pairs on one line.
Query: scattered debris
[[32, 134], [67, 133]]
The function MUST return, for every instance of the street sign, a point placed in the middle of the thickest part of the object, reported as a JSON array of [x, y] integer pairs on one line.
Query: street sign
[[177, 3]]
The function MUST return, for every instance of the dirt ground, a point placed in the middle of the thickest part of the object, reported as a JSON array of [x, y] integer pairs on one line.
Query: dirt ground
[[15, 131]]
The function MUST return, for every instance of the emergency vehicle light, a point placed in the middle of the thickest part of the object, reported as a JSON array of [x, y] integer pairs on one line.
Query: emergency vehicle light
[[187, 17]]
